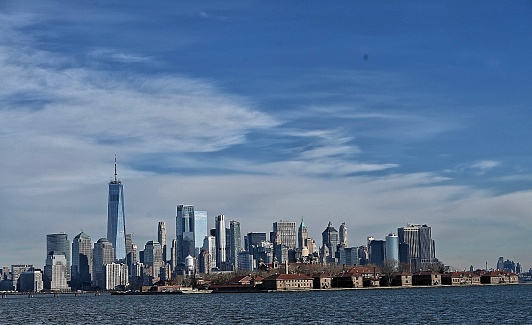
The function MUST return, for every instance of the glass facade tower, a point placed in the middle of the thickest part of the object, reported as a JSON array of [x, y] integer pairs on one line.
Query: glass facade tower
[[185, 232], [116, 218]]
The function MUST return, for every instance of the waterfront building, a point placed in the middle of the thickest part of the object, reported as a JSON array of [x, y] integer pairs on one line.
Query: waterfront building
[[153, 260], [55, 275], [81, 261], [185, 233], [116, 218], [16, 271], [421, 247], [330, 240], [288, 282], [221, 251], [392, 247], [59, 244], [161, 238], [31, 281], [102, 254], [342, 233], [302, 233], [235, 243], [201, 229], [116, 276]]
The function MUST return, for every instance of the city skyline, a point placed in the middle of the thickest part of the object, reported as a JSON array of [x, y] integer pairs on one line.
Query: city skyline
[[370, 114]]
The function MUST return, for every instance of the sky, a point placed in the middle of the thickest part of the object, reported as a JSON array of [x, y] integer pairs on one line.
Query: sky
[[372, 113]]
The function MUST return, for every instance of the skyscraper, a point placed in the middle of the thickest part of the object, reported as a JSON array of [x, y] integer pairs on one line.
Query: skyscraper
[[235, 242], [330, 239], [421, 250], [185, 232], [200, 229], [284, 232], [153, 259], [59, 244], [342, 232], [376, 251], [161, 237], [103, 253], [116, 218], [221, 256], [302, 235], [392, 247], [55, 271], [81, 261]]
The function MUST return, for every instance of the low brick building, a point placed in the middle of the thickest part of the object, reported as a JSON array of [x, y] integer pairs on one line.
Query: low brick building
[[287, 282]]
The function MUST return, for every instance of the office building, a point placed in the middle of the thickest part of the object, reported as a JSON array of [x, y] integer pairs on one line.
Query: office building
[[330, 239], [302, 235], [153, 260], [55, 276], [161, 238], [185, 233], [392, 247], [209, 246], [31, 281], [201, 230], [421, 248], [59, 244], [16, 271], [342, 233], [116, 218], [284, 232], [81, 261], [376, 251], [235, 243], [102, 254], [221, 251]]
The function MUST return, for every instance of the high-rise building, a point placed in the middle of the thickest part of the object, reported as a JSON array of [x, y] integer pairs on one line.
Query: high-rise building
[[342, 233], [59, 244], [284, 232], [161, 237], [173, 254], [31, 281], [102, 254], [255, 238], [376, 251], [421, 248], [81, 261], [55, 271], [16, 271], [116, 218], [185, 233], [221, 257], [201, 230], [330, 240], [116, 276], [235, 243], [392, 247], [153, 259], [302, 233], [209, 245]]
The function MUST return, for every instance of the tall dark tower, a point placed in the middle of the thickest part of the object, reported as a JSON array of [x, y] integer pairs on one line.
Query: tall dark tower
[[116, 218]]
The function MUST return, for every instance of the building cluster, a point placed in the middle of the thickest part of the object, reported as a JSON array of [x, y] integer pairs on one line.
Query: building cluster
[[116, 263], [362, 277]]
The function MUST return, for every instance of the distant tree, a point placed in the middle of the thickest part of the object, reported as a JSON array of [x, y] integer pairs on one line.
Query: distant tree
[[388, 268]]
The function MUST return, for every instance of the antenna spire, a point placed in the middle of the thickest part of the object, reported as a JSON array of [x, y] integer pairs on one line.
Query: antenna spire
[[115, 170]]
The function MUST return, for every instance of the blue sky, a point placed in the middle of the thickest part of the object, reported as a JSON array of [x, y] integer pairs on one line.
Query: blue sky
[[369, 113]]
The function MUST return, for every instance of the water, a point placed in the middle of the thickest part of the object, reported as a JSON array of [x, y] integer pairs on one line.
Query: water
[[508, 304]]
